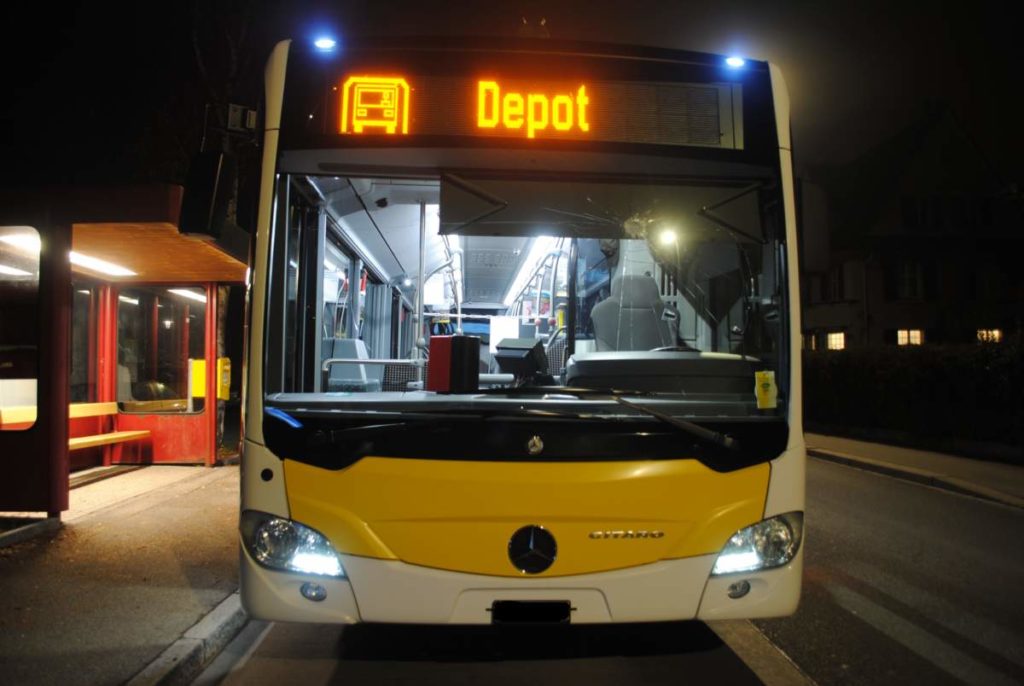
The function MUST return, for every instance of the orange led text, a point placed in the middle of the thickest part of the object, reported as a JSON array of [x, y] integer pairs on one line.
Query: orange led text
[[379, 103], [532, 112]]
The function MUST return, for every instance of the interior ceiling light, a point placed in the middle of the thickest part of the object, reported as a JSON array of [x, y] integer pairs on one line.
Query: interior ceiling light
[[541, 248], [185, 293]]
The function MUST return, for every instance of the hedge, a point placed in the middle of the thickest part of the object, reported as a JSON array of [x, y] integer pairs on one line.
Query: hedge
[[940, 393]]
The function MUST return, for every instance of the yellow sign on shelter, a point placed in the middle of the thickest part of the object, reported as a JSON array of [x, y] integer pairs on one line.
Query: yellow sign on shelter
[[223, 378]]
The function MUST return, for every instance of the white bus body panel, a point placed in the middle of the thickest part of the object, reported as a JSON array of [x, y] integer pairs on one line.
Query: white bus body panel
[[274, 86], [390, 591], [786, 485]]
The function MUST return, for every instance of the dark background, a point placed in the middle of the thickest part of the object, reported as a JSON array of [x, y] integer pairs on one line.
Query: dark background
[[100, 92]]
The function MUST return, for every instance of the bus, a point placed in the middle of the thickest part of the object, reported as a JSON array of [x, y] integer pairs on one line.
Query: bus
[[523, 337]]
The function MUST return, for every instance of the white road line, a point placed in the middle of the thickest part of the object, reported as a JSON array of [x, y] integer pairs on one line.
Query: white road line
[[955, 618], [931, 648], [764, 658]]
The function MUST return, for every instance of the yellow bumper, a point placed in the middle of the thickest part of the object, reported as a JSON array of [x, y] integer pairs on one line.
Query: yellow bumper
[[459, 515]]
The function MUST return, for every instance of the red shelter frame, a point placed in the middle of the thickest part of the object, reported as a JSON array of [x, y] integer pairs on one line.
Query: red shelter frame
[[36, 460]]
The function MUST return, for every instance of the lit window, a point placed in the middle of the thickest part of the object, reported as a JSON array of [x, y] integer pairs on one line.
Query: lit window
[[990, 335], [909, 337], [837, 341]]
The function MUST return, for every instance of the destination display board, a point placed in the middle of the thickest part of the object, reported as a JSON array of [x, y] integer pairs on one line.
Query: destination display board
[[657, 113]]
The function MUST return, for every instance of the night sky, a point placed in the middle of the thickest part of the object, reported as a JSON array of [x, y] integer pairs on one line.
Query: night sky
[[95, 92]]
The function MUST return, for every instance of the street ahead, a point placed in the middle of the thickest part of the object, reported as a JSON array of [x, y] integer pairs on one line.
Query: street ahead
[[906, 584], [903, 584]]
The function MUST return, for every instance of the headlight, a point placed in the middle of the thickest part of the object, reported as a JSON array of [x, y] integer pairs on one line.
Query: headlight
[[769, 543], [282, 544]]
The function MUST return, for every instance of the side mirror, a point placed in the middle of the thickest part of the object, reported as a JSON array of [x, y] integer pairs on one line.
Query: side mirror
[[209, 188]]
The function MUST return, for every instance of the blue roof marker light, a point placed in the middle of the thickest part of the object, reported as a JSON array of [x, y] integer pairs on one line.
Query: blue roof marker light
[[735, 62], [283, 416], [325, 43]]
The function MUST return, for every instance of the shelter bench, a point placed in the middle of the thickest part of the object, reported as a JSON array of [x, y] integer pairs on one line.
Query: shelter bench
[[77, 410]]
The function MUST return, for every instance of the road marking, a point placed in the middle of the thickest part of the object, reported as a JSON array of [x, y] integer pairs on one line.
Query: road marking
[[764, 658], [974, 628], [917, 640]]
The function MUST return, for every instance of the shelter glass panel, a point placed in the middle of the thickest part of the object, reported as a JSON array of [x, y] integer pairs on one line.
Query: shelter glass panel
[[84, 309], [19, 326], [161, 338]]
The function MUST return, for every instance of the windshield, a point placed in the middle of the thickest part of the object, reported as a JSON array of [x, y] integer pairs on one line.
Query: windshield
[[668, 289]]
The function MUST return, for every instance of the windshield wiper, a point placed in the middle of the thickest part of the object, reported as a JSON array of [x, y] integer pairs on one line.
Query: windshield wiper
[[560, 390], [708, 435], [689, 427]]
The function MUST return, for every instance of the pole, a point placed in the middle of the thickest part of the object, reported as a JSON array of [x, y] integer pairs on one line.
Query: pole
[[417, 317]]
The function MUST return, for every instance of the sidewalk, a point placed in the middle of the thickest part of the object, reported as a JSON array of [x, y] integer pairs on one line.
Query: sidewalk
[[1002, 483], [141, 558]]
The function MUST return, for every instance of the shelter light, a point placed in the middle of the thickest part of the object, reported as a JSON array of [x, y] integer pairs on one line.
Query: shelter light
[[407, 282], [325, 43], [185, 293], [667, 237], [28, 242], [735, 62], [126, 299], [97, 265], [13, 271]]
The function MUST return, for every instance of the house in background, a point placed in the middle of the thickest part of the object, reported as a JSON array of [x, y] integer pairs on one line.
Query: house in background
[[916, 242]]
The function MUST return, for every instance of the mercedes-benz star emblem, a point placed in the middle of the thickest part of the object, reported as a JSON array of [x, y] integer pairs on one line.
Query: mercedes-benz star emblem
[[535, 446], [532, 549]]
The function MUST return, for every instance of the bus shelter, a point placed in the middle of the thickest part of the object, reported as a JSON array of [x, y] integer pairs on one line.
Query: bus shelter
[[120, 339]]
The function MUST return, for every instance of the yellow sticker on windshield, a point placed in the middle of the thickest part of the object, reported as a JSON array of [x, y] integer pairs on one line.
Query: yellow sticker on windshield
[[765, 389]]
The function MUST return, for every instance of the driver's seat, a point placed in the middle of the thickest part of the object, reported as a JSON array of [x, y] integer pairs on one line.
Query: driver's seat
[[633, 316]]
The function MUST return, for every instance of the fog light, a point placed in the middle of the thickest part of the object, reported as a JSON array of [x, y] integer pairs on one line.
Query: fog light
[[316, 592], [738, 589]]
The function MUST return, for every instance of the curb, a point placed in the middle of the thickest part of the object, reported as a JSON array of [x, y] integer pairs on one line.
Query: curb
[[23, 533], [921, 476], [185, 658], [91, 476]]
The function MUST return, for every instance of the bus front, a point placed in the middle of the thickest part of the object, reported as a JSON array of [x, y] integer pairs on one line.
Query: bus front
[[523, 338]]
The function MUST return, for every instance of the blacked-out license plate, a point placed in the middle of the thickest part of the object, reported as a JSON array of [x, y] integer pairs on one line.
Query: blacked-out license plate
[[530, 612]]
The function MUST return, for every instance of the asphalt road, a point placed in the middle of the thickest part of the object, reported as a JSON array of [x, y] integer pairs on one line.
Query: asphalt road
[[905, 584], [635, 654]]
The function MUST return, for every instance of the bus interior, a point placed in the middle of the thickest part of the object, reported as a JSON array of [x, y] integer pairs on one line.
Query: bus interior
[[669, 288]]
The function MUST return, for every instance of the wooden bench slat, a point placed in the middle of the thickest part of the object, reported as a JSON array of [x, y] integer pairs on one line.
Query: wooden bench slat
[[76, 410], [18, 415], [105, 439]]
